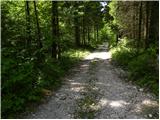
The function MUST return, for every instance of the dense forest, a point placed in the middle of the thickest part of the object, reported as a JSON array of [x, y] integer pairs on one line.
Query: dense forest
[[42, 40]]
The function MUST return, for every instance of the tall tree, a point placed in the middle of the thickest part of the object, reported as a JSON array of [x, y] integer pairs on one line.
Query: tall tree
[[146, 24], [38, 27], [28, 37], [76, 25], [55, 29], [154, 23], [139, 25]]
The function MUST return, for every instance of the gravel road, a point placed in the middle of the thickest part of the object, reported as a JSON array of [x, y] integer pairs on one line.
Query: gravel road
[[96, 89]]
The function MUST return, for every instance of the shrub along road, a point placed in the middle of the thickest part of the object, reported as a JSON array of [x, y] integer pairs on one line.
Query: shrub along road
[[96, 89]]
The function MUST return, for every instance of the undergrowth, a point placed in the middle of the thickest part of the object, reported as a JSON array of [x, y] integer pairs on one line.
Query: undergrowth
[[23, 82], [142, 66]]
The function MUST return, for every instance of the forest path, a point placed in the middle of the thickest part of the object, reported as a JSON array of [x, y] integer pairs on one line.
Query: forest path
[[96, 89]]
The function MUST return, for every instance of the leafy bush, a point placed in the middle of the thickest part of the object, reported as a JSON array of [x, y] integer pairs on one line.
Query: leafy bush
[[17, 83], [142, 66], [23, 80], [143, 71], [123, 57], [122, 54], [107, 34]]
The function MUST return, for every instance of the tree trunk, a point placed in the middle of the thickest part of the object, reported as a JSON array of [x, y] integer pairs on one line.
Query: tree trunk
[[88, 35], [97, 32], [94, 30], [38, 27], [77, 32], [55, 30], [28, 26], [136, 13], [76, 27], [117, 36], [139, 29], [146, 25], [83, 30], [154, 23], [133, 23]]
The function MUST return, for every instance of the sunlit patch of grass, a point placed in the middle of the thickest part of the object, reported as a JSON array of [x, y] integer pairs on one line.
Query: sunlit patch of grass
[[71, 57], [124, 44], [80, 53]]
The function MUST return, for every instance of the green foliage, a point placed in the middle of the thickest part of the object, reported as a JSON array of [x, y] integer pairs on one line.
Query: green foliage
[[142, 67], [28, 33], [17, 85], [144, 71], [138, 53], [122, 53], [22, 82], [105, 32], [48, 75], [123, 57], [71, 56]]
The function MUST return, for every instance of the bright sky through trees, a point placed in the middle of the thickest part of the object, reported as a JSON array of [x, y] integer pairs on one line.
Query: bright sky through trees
[[103, 4]]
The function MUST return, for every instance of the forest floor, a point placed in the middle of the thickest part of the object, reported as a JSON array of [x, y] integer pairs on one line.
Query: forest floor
[[97, 89]]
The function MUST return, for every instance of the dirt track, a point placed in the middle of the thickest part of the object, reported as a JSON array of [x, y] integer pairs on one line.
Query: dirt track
[[96, 90]]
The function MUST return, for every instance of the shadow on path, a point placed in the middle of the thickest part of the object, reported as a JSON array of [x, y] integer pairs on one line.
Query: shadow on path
[[95, 90]]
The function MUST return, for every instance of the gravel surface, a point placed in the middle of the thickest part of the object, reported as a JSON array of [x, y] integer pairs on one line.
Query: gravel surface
[[96, 89]]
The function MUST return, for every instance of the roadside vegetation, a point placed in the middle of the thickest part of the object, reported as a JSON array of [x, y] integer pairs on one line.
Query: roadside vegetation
[[19, 91], [142, 67], [136, 45]]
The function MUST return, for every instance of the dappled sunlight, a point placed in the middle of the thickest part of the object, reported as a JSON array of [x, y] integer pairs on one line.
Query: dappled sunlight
[[138, 108], [85, 65], [70, 80], [148, 102], [100, 55], [103, 84], [77, 83], [112, 103], [77, 89], [118, 103], [103, 102], [146, 105], [142, 107]]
